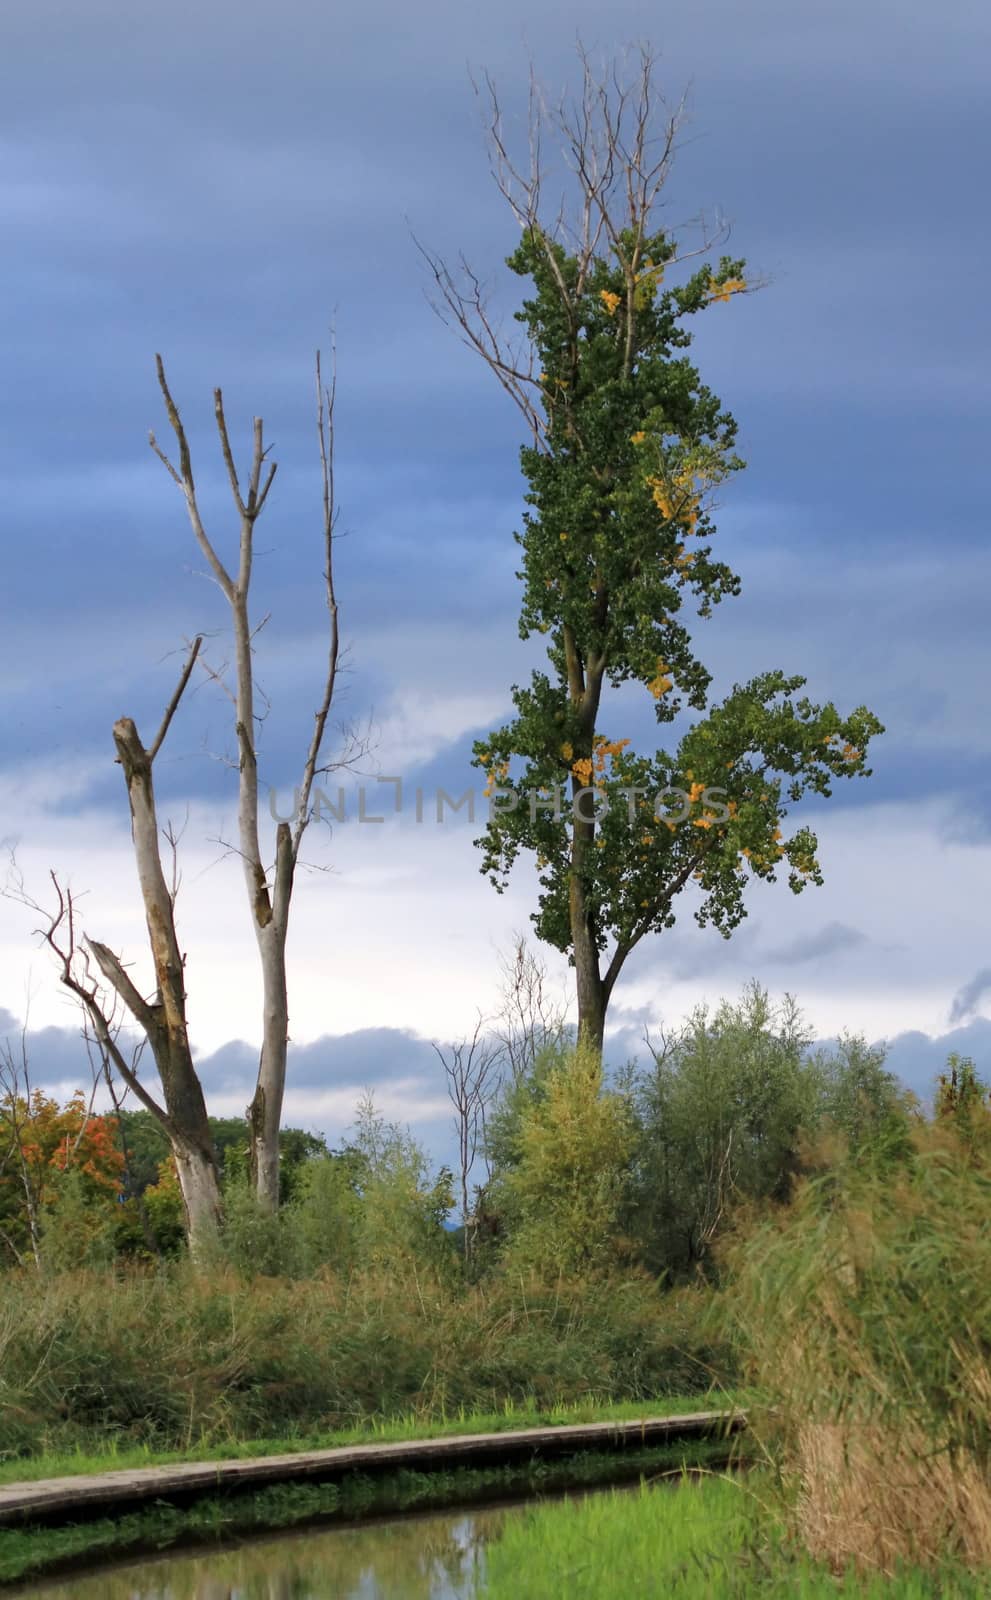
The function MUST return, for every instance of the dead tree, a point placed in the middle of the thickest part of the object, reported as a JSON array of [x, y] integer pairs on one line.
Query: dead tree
[[161, 1019], [530, 1019], [472, 1068], [269, 885]]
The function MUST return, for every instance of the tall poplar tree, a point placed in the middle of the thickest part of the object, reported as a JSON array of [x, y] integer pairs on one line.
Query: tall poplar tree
[[627, 446]]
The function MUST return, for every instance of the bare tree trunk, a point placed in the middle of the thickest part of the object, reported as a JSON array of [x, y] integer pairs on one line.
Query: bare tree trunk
[[265, 1110], [164, 1021], [269, 892], [196, 1170], [183, 1117]]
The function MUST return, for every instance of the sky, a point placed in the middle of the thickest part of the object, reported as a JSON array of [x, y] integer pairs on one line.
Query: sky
[[222, 183]]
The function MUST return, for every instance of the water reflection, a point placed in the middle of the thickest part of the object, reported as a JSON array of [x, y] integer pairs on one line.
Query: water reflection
[[433, 1557]]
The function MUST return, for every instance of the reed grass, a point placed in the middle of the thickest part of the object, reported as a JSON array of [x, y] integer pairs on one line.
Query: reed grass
[[864, 1311]]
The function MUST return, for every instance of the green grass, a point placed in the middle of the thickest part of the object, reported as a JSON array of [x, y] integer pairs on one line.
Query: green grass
[[27, 1552], [397, 1429], [691, 1541]]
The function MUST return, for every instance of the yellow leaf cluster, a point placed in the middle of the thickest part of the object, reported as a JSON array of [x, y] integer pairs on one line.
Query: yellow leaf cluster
[[678, 499], [662, 682], [609, 300], [607, 748], [723, 291], [497, 776]]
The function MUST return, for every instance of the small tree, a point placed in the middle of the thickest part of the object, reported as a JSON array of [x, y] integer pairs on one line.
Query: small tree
[[530, 1019], [627, 445], [568, 1188], [722, 1116], [860, 1097], [55, 1161], [471, 1067]]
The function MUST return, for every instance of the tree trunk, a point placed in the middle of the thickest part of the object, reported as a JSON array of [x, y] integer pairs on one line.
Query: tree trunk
[[265, 1110], [164, 1022], [198, 1181], [593, 990]]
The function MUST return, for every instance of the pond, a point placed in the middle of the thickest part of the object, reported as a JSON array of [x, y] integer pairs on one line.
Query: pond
[[436, 1556]]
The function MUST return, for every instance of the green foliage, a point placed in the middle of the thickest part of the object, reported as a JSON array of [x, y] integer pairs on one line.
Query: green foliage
[[75, 1232], [861, 1099], [729, 1117], [516, 1097], [963, 1103], [145, 1146], [632, 444], [721, 1118], [403, 1205], [143, 1140], [374, 1204], [568, 1186]]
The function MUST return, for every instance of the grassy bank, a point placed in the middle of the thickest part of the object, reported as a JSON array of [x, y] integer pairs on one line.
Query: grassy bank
[[162, 1362], [392, 1430], [28, 1552], [700, 1538]]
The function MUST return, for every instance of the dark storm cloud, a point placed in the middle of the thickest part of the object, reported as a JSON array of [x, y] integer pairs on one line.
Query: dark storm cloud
[[968, 998], [219, 185], [833, 939], [367, 1057]]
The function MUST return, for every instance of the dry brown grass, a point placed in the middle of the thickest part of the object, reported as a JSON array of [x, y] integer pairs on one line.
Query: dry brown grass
[[873, 1499], [864, 1311]]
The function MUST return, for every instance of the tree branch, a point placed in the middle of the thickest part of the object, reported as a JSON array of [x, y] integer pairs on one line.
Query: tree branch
[[173, 704]]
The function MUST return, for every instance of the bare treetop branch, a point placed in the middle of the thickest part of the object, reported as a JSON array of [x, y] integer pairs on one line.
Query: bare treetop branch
[[173, 704]]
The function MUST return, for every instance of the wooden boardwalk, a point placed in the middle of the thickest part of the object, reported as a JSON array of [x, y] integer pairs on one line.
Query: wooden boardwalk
[[100, 1493]]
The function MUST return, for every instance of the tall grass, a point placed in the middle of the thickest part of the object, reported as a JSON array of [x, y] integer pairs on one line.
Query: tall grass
[[865, 1314], [169, 1361]]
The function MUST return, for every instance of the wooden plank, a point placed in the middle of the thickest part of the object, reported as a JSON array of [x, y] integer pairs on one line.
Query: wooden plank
[[90, 1494]]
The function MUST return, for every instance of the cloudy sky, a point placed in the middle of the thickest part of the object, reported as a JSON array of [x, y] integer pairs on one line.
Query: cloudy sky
[[219, 182]]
